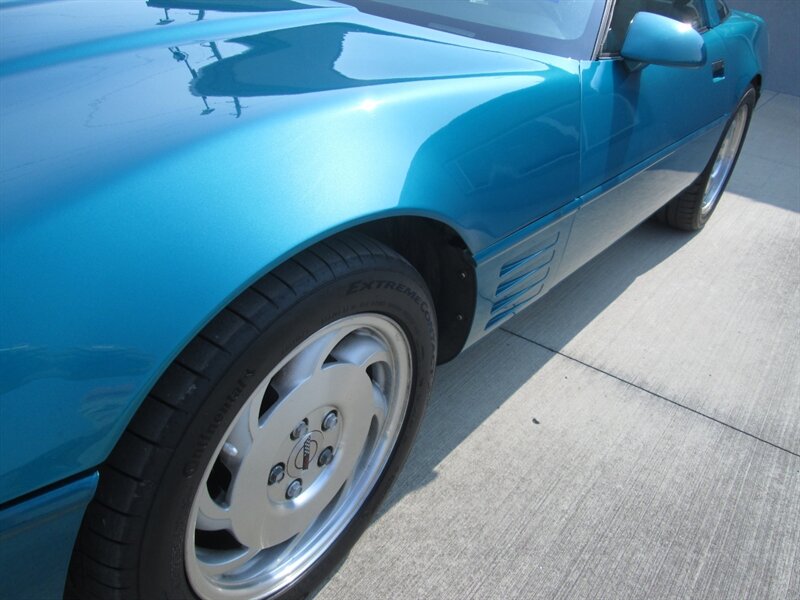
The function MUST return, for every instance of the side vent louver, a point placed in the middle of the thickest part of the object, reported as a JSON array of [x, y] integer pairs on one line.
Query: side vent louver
[[522, 279]]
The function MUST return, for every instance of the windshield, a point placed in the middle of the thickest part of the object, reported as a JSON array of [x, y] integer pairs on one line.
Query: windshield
[[563, 27]]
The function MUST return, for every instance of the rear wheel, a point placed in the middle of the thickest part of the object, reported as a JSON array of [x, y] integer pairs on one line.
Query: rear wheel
[[261, 453], [693, 207]]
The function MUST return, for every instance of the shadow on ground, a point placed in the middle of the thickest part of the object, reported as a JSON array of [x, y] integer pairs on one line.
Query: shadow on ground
[[451, 418], [579, 299]]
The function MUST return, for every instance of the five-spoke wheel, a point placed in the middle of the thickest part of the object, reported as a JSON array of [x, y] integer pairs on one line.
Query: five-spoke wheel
[[299, 459]]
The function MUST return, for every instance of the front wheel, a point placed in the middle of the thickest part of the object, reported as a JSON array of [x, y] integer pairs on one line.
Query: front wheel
[[691, 209], [262, 452]]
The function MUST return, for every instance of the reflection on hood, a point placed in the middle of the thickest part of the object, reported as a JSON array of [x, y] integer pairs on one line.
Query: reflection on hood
[[340, 55], [230, 6]]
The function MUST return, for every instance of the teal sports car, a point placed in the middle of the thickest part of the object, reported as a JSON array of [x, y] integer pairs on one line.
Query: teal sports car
[[236, 238]]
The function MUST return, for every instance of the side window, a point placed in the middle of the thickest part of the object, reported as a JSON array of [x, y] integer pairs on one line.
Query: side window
[[723, 10], [685, 11]]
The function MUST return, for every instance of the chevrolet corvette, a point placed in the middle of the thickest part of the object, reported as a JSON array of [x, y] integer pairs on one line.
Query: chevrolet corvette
[[238, 236]]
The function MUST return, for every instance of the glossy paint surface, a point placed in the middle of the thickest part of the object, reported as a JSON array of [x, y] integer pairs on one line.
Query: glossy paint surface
[[147, 182], [647, 133], [155, 162], [657, 40], [36, 539]]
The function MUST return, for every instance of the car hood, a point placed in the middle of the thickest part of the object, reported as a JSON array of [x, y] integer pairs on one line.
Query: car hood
[[90, 90], [278, 46]]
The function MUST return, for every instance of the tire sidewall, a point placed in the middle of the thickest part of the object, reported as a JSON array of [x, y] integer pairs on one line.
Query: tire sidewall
[[388, 289]]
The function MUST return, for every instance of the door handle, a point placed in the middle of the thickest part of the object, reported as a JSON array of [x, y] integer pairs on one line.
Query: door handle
[[718, 69]]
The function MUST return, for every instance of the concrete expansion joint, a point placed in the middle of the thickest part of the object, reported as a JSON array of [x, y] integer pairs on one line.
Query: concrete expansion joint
[[650, 392]]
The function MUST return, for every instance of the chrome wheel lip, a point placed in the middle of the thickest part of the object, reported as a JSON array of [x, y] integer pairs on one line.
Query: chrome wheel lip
[[724, 160], [393, 378]]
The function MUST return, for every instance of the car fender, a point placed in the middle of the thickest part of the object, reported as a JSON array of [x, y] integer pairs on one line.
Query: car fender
[[105, 286]]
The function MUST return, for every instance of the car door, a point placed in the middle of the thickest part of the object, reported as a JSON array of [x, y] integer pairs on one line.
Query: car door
[[647, 130]]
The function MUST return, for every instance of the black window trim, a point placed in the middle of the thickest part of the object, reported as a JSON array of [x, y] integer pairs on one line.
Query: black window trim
[[605, 23], [722, 18], [497, 35]]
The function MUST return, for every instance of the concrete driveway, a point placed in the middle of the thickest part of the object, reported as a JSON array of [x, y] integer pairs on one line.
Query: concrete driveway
[[635, 434]]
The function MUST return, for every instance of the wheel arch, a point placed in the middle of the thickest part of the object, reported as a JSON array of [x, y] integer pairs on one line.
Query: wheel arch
[[432, 246], [441, 256], [757, 82]]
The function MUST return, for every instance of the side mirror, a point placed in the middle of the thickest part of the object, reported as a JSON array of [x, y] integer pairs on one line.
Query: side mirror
[[658, 40]]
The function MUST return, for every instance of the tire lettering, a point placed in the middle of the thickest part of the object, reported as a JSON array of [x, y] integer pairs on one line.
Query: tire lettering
[[375, 284], [205, 437]]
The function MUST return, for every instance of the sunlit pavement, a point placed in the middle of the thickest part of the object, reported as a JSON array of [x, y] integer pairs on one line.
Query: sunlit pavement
[[635, 434]]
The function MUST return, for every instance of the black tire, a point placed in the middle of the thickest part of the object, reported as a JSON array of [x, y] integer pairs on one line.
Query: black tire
[[686, 211], [132, 541]]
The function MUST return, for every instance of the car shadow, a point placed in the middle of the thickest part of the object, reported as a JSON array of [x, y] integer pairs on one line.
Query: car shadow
[[453, 415]]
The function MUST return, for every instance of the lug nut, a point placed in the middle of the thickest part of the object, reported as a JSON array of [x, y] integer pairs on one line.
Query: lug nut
[[325, 457], [294, 489], [276, 474], [300, 430], [330, 421]]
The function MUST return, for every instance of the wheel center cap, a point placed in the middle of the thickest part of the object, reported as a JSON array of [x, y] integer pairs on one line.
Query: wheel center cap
[[304, 453], [309, 450]]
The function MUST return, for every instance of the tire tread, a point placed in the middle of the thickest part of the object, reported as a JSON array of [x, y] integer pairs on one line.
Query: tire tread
[[106, 556]]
